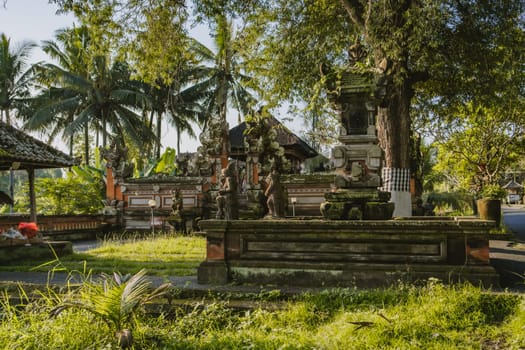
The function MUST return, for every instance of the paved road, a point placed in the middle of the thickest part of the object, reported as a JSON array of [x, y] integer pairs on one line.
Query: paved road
[[508, 256], [82, 246]]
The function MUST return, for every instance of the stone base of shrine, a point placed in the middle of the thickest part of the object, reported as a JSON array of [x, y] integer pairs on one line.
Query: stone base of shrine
[[34, 251], [316, 253], [365, 275]]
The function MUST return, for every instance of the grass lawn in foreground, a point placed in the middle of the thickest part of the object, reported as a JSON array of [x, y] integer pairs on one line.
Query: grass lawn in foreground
[[429, 316], [432, 316], [162, 255]]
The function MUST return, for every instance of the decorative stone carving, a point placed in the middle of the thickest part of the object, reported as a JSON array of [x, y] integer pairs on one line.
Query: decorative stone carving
[[116, 159], [275, 194], [227, 199], [201, 165], [177, 217], [176, 202], [206, 203]]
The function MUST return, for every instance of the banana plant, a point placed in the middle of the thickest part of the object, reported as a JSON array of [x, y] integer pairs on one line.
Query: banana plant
[[166, 164]]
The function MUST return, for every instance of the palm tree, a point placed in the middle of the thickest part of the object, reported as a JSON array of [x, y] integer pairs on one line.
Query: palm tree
[[220, 80], [15, 76], [90, 92], [112, 100], [57, 104], [180, 110], [184, 109]]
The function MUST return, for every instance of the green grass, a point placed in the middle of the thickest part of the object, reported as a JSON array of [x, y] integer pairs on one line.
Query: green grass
[[162, 255], [432, 316], [404, 317]]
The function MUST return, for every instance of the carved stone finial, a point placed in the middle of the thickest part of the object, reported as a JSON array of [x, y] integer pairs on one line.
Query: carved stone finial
[[356, 52], [116, 158]]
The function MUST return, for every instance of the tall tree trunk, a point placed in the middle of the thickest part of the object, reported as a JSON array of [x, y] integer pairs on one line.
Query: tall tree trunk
[[71, 143], [178, 141], [7, 116], [86, 144], [393, 126], [394, 133], [150, 149], [70, 118], [104, 130], [158, 133]]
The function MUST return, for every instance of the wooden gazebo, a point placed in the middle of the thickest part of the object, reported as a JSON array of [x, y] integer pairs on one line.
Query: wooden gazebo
[[19, 150]]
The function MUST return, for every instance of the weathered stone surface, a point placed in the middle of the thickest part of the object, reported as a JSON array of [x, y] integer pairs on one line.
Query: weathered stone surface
[[212, 273], [345, 253], [360, 208], [35, 251], [361, 195], [378, 210]]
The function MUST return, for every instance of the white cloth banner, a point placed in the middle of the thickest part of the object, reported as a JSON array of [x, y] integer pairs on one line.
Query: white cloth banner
[[397, 182], [395, 179]]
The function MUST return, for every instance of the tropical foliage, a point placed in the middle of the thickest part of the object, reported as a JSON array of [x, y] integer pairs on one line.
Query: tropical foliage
[[62, 195], [476, 147], [115, 301], [15, 78], [439, 64]]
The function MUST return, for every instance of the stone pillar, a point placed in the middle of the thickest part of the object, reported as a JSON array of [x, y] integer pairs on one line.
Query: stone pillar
[[32, 199], [110, 184], [214, 269]]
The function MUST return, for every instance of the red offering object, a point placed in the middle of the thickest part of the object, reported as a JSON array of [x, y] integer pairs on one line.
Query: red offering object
[[28, 229]]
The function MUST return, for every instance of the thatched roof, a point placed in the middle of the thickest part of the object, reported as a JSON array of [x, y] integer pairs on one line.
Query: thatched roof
[[286, 138], [18, 147]]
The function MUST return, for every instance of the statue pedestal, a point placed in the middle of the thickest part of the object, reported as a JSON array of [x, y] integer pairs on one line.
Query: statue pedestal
[[357, 204]]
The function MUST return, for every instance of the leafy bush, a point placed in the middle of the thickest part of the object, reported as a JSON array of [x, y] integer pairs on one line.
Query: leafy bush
[[493, 191], [80, 192], [458, 202]]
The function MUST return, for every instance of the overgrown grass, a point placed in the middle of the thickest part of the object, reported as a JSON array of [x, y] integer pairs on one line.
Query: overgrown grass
[[432, 316], [405, 317], [162, 255]]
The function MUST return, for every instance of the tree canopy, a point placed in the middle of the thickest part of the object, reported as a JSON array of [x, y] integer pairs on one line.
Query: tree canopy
[[438, 62]]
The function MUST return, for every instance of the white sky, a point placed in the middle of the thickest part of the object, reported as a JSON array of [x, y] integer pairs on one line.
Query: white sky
[[36, 20], [32, 20]]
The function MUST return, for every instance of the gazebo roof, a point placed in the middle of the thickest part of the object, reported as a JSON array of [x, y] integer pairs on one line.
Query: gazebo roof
[[286, 138], [512, 185], [19, 147]]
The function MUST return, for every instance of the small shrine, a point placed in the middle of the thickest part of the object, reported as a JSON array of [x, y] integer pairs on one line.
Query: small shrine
[[358, 159]]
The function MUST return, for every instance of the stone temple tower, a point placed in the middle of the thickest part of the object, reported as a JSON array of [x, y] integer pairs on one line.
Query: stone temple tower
[[358, 158]]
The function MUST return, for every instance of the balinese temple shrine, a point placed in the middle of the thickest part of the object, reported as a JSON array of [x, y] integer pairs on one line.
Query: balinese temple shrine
[[295, 149], [148, 202]]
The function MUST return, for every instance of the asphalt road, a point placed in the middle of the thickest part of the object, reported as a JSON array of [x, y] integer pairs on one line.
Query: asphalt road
[[82, 246], [508, 256]]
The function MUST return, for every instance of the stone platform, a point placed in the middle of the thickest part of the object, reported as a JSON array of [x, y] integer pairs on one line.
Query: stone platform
[[34, 251], [347, 253]]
